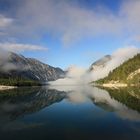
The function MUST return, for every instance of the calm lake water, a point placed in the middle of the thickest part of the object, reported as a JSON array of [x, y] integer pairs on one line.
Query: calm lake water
[[70, 113]]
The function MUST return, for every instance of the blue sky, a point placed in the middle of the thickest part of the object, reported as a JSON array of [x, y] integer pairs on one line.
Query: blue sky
[[63, 32]]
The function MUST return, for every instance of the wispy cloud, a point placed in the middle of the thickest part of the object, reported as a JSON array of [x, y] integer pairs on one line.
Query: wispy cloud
[[5, 21], [118, 57], [81, 76], [71, 22], [15, 47]]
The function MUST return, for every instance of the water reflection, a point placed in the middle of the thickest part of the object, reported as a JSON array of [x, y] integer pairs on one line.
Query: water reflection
[[125, 102], [22, 101], [42, 109]]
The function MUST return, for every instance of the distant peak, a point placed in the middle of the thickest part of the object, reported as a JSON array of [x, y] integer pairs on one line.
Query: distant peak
[[101, 62]]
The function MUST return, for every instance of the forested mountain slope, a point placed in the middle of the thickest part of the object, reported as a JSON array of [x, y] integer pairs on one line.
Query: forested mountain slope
[[128, 72]]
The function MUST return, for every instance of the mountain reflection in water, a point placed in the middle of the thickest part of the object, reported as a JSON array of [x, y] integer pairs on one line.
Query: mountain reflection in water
[[70, 112]]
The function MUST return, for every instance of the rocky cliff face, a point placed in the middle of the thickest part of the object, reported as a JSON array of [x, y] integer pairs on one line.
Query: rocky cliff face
[[19, 66], [100, 63]]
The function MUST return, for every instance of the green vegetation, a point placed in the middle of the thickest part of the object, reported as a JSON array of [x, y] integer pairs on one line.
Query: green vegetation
[[135, 80], [18, 82], [122, 72]]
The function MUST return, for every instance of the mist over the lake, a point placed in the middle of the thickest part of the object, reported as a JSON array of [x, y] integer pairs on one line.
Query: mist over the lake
[[81, 76]]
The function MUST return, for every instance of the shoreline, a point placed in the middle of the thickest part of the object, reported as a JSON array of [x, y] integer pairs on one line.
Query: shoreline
[[115, 85], [3, 87], [111, 85], [118, 85]]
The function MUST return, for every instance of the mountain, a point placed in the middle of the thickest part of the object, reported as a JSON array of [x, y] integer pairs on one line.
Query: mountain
[[19, 67], [128, 72], [100, 63]]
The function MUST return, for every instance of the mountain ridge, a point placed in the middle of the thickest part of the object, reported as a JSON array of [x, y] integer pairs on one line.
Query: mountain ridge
[[122, 74], [100, 63], [19, 67]]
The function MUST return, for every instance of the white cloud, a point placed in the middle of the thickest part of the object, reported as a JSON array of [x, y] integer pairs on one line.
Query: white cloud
[[5, 21], [130, 12], [73, 77], [15, 47], [70, 22], [118, 57], [81, 76]]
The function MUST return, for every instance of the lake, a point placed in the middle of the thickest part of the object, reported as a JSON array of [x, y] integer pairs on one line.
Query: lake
[[70, 113]]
